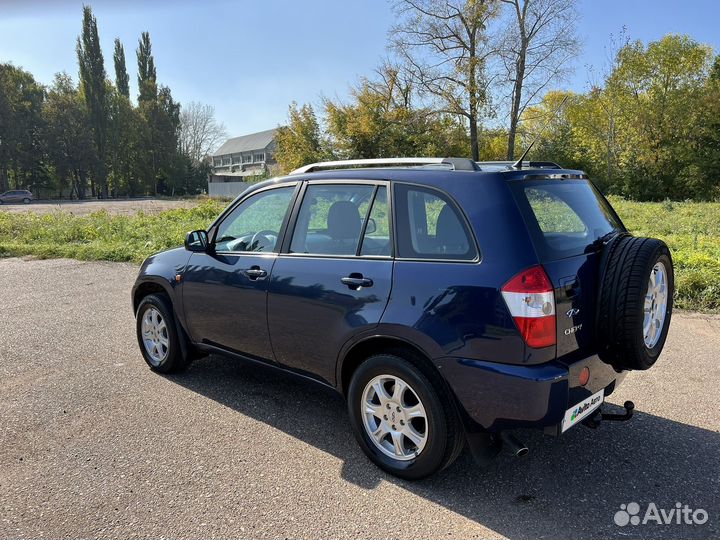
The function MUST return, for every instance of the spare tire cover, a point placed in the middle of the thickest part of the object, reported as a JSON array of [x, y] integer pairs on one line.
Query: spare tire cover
[[635, 301]]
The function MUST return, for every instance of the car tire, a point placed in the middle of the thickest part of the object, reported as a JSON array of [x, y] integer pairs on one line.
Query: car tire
[[26, 201], [433, 441], [636, 300], [157, 334]]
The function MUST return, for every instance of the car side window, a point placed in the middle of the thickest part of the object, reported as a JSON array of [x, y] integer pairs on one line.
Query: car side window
[[429, 226], [331, 219], [254, 225]]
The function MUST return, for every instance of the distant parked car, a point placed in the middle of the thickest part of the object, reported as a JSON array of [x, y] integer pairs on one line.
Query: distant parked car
[[16, 196]]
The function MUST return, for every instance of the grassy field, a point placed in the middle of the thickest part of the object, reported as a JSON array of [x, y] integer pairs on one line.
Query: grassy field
[[100, 235], [692, 230]]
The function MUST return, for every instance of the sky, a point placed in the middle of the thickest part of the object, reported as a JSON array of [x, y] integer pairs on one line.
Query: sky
[[249, 60]]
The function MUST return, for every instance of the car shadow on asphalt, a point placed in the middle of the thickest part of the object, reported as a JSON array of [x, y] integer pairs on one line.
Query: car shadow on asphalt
[[570, 486]]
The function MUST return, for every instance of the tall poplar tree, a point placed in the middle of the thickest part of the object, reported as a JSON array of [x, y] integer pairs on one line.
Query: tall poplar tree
[[147, 77], [122, 81], [93, 87]]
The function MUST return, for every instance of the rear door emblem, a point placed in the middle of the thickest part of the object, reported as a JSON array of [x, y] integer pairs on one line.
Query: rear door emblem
[[572, 312]]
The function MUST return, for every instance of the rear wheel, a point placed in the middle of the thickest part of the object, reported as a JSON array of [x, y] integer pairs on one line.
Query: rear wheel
[[403, 417], [157, 334]]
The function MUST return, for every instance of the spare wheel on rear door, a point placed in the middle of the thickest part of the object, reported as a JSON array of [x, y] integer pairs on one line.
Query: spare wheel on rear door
[[635, 301]]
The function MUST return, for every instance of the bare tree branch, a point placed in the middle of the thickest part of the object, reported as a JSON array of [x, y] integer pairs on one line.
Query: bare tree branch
[[535, 51], [444, 48], [200, 133]]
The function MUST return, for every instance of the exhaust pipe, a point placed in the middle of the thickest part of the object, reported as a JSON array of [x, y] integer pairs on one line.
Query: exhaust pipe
[[517, 448]]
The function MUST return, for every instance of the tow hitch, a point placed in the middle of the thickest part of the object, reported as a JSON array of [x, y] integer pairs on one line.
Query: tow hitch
[[594, 420]]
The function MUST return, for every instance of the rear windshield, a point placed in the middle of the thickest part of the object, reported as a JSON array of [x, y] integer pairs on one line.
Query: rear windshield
[[565, 217]]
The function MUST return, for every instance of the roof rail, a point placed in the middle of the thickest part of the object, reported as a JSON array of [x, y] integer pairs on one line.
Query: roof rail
[[525, 164], [457, 164]]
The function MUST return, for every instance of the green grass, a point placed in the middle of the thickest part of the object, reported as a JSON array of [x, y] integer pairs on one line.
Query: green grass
[[692, 230], [101, 236]]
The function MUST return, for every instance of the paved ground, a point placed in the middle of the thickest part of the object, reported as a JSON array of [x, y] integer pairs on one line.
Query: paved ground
[[92, 444], [114, 206]]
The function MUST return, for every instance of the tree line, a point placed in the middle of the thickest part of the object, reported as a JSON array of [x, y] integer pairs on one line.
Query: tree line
[[88, 139], [475, 78]]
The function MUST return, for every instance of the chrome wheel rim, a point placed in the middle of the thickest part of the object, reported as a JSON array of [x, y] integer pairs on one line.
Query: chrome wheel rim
[[655, 308], [394, 417], [155, 336]]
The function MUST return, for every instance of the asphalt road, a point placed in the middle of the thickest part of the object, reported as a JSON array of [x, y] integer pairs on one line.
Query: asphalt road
[[93, 444]]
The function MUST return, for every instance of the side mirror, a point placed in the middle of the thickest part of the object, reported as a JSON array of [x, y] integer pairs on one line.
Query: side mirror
[[371, 226], [196, 241]]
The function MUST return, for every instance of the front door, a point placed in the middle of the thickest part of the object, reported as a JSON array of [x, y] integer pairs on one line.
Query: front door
[[225, 290], [335, 279]]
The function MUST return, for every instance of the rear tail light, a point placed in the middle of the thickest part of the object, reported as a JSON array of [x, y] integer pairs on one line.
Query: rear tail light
[[529, 297]]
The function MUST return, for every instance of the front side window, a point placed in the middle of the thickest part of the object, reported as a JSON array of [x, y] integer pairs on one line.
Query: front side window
[[430, 226], [254, 225], [332, 219]]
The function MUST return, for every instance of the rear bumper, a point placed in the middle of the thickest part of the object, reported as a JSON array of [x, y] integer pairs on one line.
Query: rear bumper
[[497, 397]]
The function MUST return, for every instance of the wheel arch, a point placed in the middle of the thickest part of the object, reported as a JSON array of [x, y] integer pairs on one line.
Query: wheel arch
[[359, 351], [145, 288]]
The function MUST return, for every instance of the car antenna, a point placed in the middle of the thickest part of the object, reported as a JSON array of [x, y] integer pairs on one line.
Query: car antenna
[[519, 162]]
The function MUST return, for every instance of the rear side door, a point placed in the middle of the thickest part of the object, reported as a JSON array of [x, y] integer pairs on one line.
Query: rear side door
[[225, 290], [334, 275]]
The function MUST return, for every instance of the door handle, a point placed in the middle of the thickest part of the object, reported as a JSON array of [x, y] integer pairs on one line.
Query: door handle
[[255, 272], [354, 281]]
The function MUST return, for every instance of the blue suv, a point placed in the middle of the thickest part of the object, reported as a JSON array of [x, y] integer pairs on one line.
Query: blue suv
[[449, 301]]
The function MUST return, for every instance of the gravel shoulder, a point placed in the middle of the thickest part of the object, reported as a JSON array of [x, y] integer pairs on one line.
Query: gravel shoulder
[[112, 206], [93, 444]]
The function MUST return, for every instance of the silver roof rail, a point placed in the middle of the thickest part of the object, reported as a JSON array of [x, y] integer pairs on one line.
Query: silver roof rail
[[377, 162]]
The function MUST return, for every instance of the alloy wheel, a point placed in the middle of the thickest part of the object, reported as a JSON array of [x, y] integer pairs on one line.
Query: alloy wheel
[[155, 336], [655, 307], [394, 417]]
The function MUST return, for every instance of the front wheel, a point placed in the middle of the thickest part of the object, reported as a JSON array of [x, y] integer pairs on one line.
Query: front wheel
[[26, 201], [403, 417], [157, 334]]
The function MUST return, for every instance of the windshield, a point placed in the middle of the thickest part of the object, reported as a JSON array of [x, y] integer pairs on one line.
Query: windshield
[[565, 217]]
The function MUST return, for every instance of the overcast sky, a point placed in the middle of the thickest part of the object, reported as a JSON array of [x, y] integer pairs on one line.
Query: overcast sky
[[251, 59]]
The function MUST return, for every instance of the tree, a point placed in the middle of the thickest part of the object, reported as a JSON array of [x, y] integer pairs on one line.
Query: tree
[[200, 132], [444, 46], [21, 101], [662, 85], [147, 76], [706, 139], [380, 121], [301, 141], [122, 80], [539, 42], [92, 84], [554, 123], [160, 140], [70, 146], [126, 150]]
